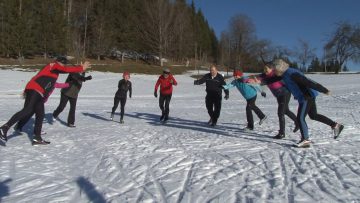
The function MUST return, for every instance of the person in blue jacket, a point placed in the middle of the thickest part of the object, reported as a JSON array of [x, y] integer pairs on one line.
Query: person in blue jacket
[[304, 91], [249, 92]]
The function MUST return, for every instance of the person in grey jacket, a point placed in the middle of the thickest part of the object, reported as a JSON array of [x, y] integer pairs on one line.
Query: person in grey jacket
[[70, 94]]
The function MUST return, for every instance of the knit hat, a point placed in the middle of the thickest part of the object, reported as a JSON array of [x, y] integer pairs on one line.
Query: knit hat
[[62, 59], [280, 66], [166, 70], [126, 74], [269, 64], [237, 73]]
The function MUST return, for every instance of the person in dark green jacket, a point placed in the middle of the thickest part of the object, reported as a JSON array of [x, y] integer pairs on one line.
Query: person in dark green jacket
[[70, 94]]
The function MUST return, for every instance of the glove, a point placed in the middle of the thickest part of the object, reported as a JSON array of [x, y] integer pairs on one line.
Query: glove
[[155, 94], [130, 96], [88, 77], [226, 97], [263, 94], [196, 82]]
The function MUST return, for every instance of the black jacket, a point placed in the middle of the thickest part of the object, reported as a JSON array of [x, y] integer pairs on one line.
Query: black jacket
[[214, 86], [123, 87], [75, 81]]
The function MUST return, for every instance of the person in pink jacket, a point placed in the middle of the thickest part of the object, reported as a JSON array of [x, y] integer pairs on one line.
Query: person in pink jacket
[[166, 82], [282, 95]]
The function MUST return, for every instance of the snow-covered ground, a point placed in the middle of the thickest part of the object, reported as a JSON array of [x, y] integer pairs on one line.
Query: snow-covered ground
[[184, 160]]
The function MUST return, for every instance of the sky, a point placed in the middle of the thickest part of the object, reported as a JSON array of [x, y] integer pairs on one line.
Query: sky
[[284, 22]]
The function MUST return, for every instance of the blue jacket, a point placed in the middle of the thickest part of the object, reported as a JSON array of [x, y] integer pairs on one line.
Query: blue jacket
[[300, 86], [247, 90]]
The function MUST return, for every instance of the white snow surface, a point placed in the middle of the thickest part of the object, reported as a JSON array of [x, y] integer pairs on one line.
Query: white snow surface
[[184, 160]]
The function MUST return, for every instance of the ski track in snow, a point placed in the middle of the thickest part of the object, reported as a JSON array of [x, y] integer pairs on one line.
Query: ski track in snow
[[184, 160]]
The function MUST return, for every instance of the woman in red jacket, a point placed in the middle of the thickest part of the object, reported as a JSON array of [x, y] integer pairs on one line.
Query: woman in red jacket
[[38, 88], [166, 82]]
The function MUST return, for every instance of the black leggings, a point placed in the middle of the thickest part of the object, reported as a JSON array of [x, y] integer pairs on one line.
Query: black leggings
[[251, 106], [122, 102], [283, 109], [63, 101], [164, 104], [34, 104]]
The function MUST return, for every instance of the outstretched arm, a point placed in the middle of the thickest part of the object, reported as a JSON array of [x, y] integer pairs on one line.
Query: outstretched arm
[[70, 69], [302, 80], [229, 85], [200, 81], [61, 85], [268, 80]]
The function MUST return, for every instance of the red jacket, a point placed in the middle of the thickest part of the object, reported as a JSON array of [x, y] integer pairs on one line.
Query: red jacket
[[43, 82], [166, 84]]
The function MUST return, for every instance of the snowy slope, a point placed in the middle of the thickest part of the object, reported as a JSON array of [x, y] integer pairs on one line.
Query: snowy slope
[[184, 160]]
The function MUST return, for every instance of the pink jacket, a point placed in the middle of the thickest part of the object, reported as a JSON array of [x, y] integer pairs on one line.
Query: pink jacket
[[277, 88]]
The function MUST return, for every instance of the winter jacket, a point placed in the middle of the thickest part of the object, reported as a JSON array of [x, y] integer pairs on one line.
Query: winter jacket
[[43, 82], [123, 87], [75, 81], [278, 88], [166, 84], [214, 85], [248, 91]]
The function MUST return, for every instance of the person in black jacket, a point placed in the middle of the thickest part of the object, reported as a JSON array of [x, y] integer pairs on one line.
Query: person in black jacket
[[121, 94], [70, 94], [214, 86]]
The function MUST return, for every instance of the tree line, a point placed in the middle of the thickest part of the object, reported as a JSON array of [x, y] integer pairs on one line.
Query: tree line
[[91, 28], [169, 29], [239, 47]]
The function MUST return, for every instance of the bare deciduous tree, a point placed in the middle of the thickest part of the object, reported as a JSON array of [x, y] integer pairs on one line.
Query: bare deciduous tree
[[344, 44], [305, 53], [157, 26], [242, 36]]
